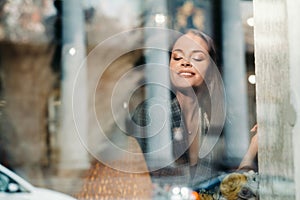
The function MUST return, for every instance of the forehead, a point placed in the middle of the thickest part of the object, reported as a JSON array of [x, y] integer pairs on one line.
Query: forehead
[[191, 42]]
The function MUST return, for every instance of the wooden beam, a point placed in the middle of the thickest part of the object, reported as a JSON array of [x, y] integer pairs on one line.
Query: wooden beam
[[275, 157]]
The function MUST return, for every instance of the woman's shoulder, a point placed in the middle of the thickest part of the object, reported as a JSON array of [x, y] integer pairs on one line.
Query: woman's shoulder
[[140, 115]]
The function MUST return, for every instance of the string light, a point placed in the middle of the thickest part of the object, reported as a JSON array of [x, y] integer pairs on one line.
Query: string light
[[72, 51], [252, 79], [160, 18], [250, 21]]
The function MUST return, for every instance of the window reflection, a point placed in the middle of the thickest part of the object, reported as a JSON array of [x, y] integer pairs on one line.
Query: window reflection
[[31, 86]]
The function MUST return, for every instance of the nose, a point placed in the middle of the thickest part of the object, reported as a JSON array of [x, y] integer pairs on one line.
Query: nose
[[186, 63]]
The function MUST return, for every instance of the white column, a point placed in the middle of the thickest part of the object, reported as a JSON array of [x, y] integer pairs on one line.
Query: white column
[[293, 8], [234, 71], [72, 153], [157, 88]]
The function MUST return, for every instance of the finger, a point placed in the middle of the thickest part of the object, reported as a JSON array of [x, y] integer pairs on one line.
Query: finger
[[254, 129]]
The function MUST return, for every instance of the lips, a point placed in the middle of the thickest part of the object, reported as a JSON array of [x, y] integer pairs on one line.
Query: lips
[[186, 74]]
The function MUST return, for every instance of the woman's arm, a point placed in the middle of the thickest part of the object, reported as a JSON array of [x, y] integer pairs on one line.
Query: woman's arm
[[249, 157]]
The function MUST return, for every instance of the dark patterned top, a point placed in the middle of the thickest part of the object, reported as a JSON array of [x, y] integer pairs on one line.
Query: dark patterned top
[[180, 171]]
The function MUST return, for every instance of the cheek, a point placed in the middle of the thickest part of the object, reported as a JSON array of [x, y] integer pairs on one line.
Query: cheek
[[172, 64], [172, 74], [202, 68], [172, 67]]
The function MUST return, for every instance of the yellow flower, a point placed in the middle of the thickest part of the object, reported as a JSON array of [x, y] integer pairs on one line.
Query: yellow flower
[[232, 184]]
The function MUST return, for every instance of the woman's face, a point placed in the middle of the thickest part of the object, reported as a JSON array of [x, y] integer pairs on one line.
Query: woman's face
[[189, 61]]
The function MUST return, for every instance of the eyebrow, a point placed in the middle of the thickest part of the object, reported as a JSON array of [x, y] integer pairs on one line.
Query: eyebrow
[[194, 51]]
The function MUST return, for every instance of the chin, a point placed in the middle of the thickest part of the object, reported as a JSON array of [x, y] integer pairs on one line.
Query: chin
[[186, 83], [182, 83], [184, 87]]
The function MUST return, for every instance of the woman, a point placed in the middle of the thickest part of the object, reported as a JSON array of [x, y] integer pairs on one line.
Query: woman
[[197, 109], [198, 88]]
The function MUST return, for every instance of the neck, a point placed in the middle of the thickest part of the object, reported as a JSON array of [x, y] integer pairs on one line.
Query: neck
[[187, 98], [190, 113]]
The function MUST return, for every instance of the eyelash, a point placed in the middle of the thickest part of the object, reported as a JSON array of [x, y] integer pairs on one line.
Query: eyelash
[[198, 59], [195, 59], [177, 58]]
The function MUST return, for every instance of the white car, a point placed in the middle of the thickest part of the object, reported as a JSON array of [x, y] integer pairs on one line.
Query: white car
[[13, 187]]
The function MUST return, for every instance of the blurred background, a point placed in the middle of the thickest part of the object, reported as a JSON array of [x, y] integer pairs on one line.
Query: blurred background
[[43, 43]]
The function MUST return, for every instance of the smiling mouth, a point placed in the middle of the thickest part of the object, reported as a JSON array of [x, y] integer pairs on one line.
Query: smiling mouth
[[186, 74]]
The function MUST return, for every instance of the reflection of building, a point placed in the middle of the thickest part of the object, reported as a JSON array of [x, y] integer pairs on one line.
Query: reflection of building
[[25, 70], [54, 105], [191, 14]]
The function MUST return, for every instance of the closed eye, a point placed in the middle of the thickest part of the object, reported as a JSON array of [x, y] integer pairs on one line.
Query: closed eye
[[177, 58], [177, 55], [198, 59]]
